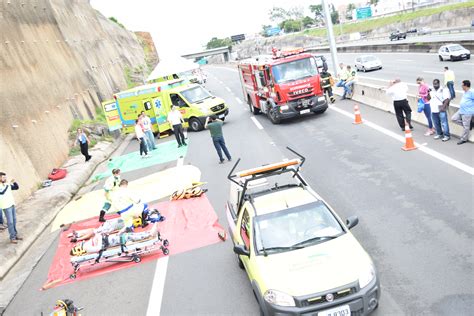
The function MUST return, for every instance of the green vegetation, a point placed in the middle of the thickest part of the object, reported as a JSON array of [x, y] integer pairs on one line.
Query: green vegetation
[[218, 42], [375, 23], [113, 19]]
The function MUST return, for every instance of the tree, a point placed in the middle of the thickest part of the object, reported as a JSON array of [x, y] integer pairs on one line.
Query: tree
[[317, 10], [350, 8], [334, 15], [374, 2], [296, 13], [218, 42], [113, 19], [306, 21], [278, 14], [292, 26], [264, 30]]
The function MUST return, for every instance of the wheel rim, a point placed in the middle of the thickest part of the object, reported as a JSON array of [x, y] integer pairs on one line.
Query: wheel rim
[[194, 125]]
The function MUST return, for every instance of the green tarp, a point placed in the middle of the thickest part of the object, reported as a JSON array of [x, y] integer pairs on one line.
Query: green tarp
[[164, 152]]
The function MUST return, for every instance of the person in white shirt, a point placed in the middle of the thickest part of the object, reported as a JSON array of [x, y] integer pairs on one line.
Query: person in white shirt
[[398, 90], [147, 129], [7, 205], [141, 139], [176, 121], [439, 102]]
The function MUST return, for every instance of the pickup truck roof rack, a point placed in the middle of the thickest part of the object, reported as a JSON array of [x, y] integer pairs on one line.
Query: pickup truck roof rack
[[266, 171]]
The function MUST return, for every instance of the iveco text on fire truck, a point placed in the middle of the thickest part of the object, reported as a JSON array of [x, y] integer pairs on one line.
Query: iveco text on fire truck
[[282, 86]]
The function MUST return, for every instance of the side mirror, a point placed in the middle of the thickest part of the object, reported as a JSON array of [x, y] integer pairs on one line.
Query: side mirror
[[352, 221], [240, 250]]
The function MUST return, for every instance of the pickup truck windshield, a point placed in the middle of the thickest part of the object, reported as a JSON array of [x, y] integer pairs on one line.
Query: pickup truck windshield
[[294, 228], [295, 70], [195, 94]]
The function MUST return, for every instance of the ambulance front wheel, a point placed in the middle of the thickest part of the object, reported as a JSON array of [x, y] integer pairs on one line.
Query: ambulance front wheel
[[195, 125]]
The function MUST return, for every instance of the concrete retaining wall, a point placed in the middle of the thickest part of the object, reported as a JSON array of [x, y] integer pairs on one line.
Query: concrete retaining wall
[[374, 96]]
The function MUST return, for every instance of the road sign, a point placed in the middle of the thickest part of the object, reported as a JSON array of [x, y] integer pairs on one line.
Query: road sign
[[237, 38], [364, 13], [273, 31]]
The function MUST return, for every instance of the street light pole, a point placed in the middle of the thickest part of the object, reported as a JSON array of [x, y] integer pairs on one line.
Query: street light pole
[[332, 42]]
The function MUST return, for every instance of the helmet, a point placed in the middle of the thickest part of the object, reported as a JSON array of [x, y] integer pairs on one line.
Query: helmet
[[137, 222], [78, 250]]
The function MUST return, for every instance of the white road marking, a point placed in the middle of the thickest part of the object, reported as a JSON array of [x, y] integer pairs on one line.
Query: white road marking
[[228, 89], [156, 293], [225, 68], [256, 122], [239, 101], [450, 161], [407, 60], [433, 72], [469, 64]]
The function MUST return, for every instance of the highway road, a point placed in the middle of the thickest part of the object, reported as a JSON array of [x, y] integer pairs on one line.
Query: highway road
[[409, 66], [415, 212]]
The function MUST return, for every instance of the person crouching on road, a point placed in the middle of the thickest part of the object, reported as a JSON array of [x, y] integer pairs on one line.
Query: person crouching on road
[[326, 83], [349, 84], [424, 95], [465, 113], [440, 98], [111, 184], [215, 128], [175, 118], [7, 206], [141, 139], [84, 142], [398, 90]]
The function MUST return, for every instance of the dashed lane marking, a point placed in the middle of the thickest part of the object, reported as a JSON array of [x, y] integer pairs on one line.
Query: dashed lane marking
[[239, 101], [450, 161], [256, 122], [156, 293], [228, 89]]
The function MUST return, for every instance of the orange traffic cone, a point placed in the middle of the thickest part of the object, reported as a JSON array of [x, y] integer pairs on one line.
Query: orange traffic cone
[[357, 117], [409, 143]]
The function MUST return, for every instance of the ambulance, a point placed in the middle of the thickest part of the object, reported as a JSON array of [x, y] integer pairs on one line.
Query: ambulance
[[157, 99]]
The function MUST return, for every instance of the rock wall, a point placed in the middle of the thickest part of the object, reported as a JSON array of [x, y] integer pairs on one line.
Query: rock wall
[[151, 55], [58, 60]]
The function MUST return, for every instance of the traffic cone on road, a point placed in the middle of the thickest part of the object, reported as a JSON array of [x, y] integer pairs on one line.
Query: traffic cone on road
[[409, 143], [357, 117]]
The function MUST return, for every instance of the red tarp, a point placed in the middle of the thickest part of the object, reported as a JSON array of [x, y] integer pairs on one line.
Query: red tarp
[[189, 224]]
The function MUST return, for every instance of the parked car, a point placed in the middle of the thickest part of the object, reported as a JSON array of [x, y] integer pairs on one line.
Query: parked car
[[424, 30], [397, 35], [453, 52], [367, 62]]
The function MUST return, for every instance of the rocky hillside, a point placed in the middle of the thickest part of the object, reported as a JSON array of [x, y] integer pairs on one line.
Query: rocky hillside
[[58, 60]]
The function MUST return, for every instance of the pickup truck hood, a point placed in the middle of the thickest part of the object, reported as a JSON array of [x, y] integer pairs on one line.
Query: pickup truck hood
[[315, 268]]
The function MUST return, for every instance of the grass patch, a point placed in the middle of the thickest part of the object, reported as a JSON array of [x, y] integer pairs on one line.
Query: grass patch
[[375, 23], [128, 78]]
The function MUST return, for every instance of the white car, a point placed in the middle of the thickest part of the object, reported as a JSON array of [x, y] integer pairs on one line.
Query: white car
[[453, 52], [367, 62]]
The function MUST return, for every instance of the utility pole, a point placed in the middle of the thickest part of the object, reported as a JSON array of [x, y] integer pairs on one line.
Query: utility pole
[[332, 42]]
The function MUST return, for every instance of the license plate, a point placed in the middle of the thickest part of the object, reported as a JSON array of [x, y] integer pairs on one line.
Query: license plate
[[305, 111], [221, 116], [343, 310]]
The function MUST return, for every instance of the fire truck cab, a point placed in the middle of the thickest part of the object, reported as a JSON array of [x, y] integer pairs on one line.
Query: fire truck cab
[[282, 86]]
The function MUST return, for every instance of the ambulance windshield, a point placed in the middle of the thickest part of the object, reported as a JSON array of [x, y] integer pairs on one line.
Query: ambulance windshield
[[195, 94], [295, 70]]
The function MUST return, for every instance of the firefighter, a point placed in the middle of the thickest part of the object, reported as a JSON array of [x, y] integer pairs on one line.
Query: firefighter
[[327, 82]]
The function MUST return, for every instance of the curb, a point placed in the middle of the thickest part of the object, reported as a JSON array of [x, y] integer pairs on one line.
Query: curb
[[52, 199]]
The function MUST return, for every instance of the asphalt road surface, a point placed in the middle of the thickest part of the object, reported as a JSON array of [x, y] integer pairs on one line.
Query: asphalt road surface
[[415, 210], [409, 66]]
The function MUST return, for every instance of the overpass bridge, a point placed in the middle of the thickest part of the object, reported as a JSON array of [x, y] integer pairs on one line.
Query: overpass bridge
[[225, 51]]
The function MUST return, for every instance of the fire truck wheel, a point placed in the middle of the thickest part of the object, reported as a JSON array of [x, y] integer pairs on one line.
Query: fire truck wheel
[[195, 125], [273, 117], [253, 109]]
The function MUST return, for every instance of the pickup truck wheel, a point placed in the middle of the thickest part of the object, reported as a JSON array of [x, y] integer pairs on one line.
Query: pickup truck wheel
[[440, 58], [241, 264], [195, 125], [273, 116], [363, 69], [451, 58]]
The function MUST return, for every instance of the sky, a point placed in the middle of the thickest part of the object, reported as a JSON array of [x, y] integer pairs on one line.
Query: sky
[[179, 27]]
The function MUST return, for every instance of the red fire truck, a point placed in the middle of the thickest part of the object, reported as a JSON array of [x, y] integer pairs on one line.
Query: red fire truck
[[282, 86]]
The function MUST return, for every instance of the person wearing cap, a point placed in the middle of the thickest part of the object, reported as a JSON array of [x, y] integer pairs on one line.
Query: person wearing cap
[[214, 126], [398, 90], [7, 206], [175, 118]]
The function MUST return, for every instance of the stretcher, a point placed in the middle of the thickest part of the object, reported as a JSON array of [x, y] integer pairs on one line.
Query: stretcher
[[123, 253]]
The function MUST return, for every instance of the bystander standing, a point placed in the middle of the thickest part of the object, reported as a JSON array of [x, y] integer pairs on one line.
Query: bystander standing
[[175, 118], [424, 95], [147, 130], [83, 141], [398, 90], [140, 135], [214, 126], [7, 206], [449, 81], [440, 98], [465, 113]]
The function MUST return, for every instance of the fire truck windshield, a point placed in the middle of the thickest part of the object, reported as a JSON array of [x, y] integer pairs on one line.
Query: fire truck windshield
[[195, 94], [295, 70]]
